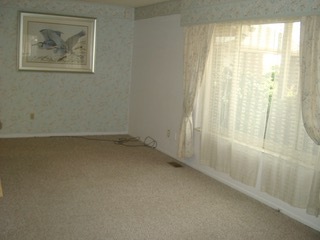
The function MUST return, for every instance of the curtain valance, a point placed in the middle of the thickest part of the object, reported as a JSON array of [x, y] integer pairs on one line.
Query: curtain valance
[[213, 11]]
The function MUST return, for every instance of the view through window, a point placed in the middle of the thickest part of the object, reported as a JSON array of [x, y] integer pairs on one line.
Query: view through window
[[251, 108]]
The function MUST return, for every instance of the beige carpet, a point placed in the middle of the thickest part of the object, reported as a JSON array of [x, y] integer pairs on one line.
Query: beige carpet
[[78, 189]]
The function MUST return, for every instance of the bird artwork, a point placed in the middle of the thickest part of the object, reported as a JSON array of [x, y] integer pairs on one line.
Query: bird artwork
[[53, 41]]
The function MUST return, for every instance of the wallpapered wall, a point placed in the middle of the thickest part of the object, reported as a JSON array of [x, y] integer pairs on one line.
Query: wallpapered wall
[[161, 9], [67, 103]]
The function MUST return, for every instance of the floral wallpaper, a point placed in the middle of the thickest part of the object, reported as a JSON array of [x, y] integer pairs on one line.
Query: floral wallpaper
[[160, 9], [206, 11], [53, 103]]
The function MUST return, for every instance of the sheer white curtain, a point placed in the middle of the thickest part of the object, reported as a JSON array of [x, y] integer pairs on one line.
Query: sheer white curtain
[[236, 101], [288, 166], [310, 88], [252, 111], [197, 43]]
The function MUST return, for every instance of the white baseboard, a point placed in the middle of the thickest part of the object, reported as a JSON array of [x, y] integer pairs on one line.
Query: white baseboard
[[166, 152], [30, 135], [294, 213]]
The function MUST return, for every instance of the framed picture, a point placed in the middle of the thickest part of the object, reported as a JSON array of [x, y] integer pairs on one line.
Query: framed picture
[[56, 43]]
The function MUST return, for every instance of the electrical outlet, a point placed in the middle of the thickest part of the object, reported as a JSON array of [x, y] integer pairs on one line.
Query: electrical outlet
[[168, 133]]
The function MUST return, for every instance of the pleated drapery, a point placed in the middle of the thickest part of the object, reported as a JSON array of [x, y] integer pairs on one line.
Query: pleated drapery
[[310, 96]]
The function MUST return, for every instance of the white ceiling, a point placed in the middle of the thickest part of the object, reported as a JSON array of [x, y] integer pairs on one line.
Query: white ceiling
[[128, 3]]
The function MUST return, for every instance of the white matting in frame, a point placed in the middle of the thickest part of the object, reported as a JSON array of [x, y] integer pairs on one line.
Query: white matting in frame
[[56, 43]]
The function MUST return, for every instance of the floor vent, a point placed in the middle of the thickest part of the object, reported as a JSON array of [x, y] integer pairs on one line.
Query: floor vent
[[175, 164]]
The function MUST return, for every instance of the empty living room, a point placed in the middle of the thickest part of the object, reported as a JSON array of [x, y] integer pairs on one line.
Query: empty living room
[[157, 119]]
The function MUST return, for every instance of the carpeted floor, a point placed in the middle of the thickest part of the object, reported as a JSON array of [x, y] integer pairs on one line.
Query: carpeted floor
[[78, 189]]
